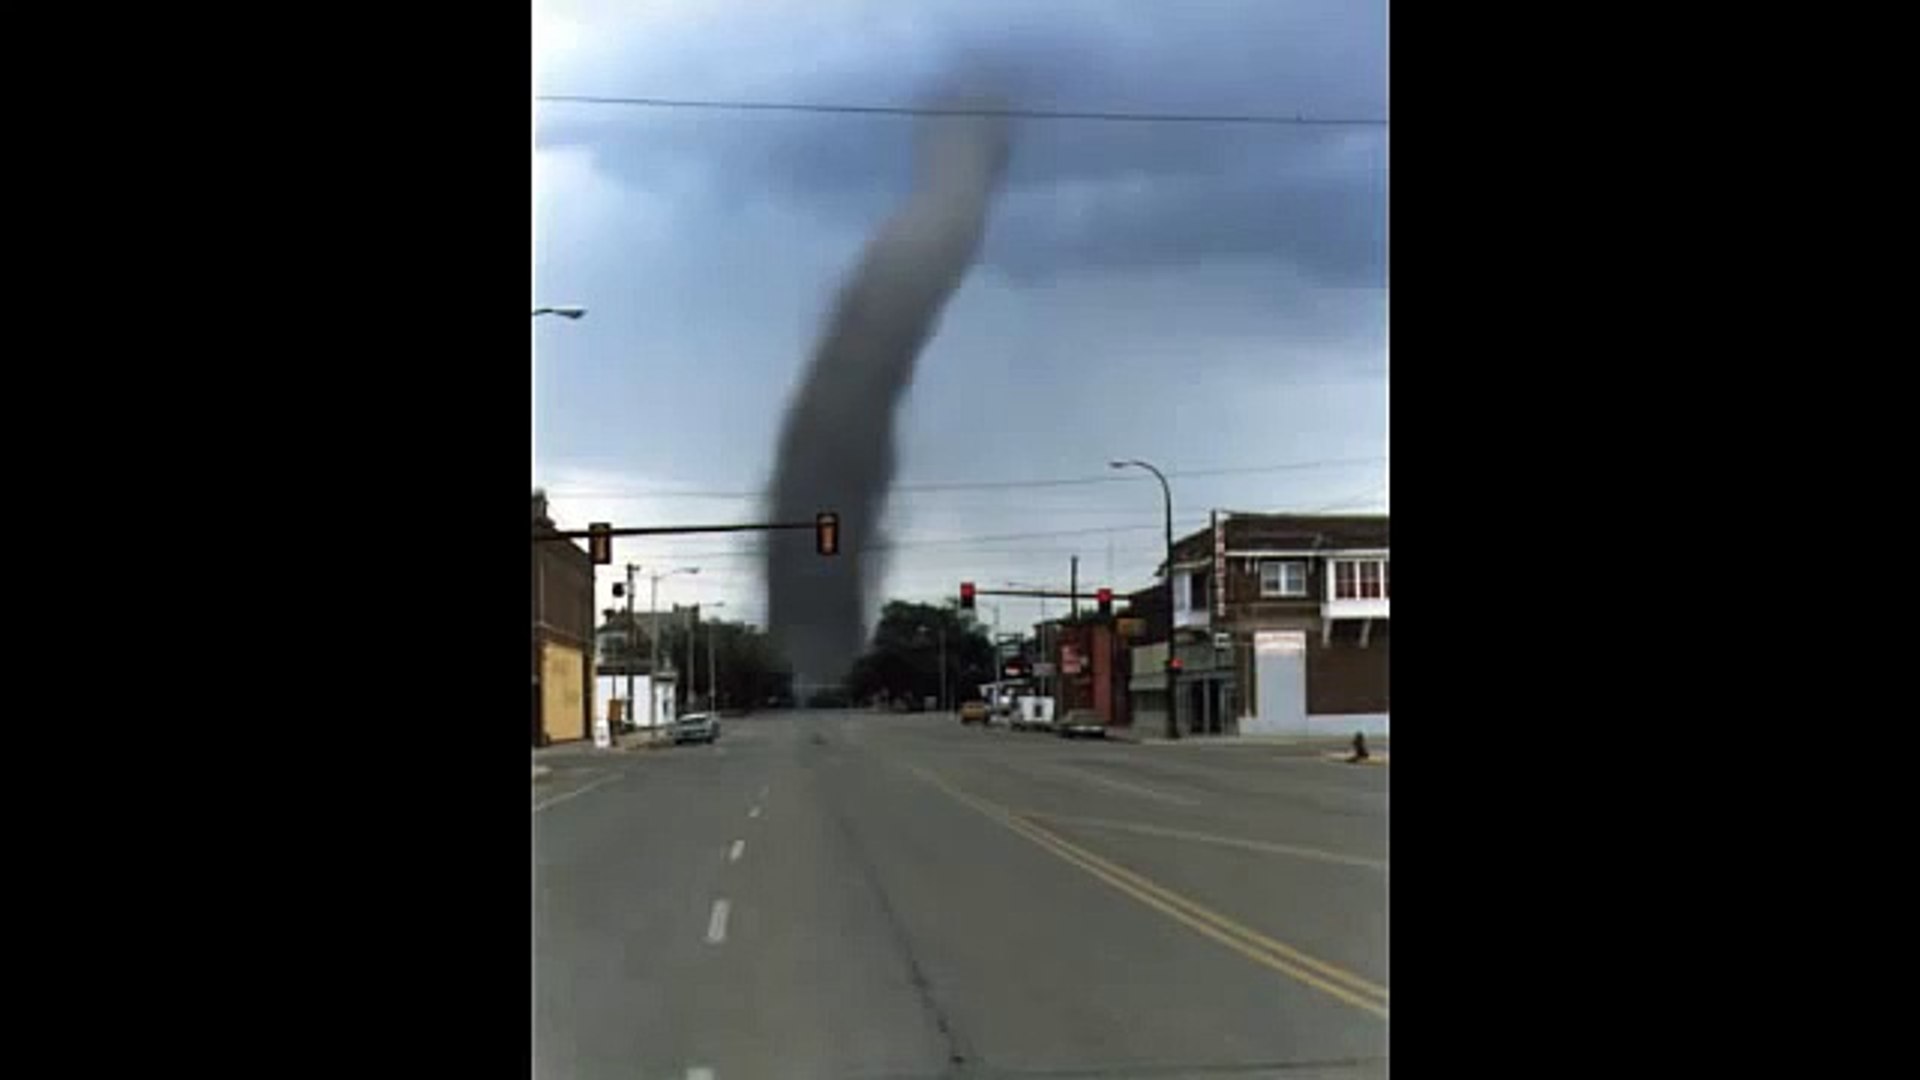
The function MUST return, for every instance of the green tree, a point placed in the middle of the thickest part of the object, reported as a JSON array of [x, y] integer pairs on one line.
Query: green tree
[[903, 660]]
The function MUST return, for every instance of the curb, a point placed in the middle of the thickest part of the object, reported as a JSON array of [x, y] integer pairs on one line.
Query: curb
[[1372, 759]]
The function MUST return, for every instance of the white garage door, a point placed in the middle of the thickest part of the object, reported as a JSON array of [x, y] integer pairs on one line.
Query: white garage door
[[1280, 683]]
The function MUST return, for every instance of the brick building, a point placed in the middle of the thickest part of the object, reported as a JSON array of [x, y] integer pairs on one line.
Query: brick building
[[1280, 622], [562, 634]]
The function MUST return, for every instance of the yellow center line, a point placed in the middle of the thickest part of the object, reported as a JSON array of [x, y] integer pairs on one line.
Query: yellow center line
[[1206, 838], [1250, 943]]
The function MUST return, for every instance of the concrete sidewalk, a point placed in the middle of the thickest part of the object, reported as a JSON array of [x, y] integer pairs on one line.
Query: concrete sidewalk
[[1139, 738], [578, 748]]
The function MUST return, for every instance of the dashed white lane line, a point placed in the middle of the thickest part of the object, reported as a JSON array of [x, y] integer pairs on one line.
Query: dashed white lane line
[[717, 923], [739, 846], [699, 1072], [537, 807], [755, 812]]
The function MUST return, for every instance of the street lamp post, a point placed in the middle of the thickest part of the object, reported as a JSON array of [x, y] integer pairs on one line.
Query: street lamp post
[[653, 620], [632, 719], [713, 683], [1173, 669]]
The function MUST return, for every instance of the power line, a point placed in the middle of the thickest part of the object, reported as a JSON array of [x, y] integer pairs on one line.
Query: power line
[[1253, 119], [990, 485]]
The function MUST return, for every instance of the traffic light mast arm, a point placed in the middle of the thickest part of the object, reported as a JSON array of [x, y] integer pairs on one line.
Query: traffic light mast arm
[[669, 530], [1044, 594]]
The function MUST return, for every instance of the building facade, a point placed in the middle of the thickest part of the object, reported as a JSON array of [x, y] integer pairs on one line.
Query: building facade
[[1281, 625], [562, 581]]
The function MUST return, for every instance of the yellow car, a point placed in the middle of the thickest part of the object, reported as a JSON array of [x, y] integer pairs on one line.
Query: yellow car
[[973, 712]]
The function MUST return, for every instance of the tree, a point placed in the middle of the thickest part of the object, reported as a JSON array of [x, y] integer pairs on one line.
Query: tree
[[903, 660], [749, 667]]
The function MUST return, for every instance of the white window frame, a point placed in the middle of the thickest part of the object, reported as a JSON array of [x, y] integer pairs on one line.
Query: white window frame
[[1333, 579], [1280, 585]]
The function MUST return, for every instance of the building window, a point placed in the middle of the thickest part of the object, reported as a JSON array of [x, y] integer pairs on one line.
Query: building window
[[1197, 598], [1360, 579], [1283, 579]]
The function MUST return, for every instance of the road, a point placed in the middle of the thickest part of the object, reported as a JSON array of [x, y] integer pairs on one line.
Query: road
[[836, 894]]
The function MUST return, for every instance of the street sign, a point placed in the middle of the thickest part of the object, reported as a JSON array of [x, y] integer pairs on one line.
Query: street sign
[[1218, 593], [1223, 641]]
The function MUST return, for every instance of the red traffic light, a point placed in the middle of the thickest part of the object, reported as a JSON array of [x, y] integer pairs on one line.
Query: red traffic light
[[1105, 597], [826, 533], [966, 595], [1174, 664]]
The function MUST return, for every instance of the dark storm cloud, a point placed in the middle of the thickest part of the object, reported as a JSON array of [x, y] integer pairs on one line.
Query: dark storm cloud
[[1080, 195]]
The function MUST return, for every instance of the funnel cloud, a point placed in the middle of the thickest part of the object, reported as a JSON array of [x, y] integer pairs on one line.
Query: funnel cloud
[[836, 449]]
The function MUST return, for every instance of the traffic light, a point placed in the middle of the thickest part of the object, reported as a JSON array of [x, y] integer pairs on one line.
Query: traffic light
[[826, 533], [1105, 597], [966, 595], [619, 589], [600, 542]]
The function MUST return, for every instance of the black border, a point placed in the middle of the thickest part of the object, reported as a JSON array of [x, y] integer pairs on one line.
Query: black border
[[356, 799]]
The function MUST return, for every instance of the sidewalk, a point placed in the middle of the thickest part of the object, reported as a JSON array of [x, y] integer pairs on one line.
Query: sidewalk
[[575, 748], [1138, 738]]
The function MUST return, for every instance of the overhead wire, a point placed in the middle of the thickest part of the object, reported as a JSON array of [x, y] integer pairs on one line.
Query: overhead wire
[[1087, 115]]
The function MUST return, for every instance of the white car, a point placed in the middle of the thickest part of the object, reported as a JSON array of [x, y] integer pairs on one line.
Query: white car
[[696, 727], [1083, 722]]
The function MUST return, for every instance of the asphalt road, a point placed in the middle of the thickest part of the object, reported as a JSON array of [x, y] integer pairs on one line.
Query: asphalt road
[[856, 895]]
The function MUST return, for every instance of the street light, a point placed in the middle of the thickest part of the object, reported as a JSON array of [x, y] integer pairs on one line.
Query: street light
[[653, 619], [565, 311], [1173, 669], [713, 684]]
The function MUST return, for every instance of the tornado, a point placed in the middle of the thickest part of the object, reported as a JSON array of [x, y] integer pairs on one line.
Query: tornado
[[836, 449]]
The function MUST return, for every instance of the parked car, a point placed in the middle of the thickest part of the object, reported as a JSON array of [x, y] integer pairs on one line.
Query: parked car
[[973, 712], [696, 727], [1082, 722]]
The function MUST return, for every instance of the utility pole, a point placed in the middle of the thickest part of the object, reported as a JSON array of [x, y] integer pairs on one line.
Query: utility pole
[[1073, 585], [693, 655], [631, 627], [943, 667], [713, 682], [653, 662]]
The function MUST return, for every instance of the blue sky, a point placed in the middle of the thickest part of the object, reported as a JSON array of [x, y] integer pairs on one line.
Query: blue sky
[[1206, 297]]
